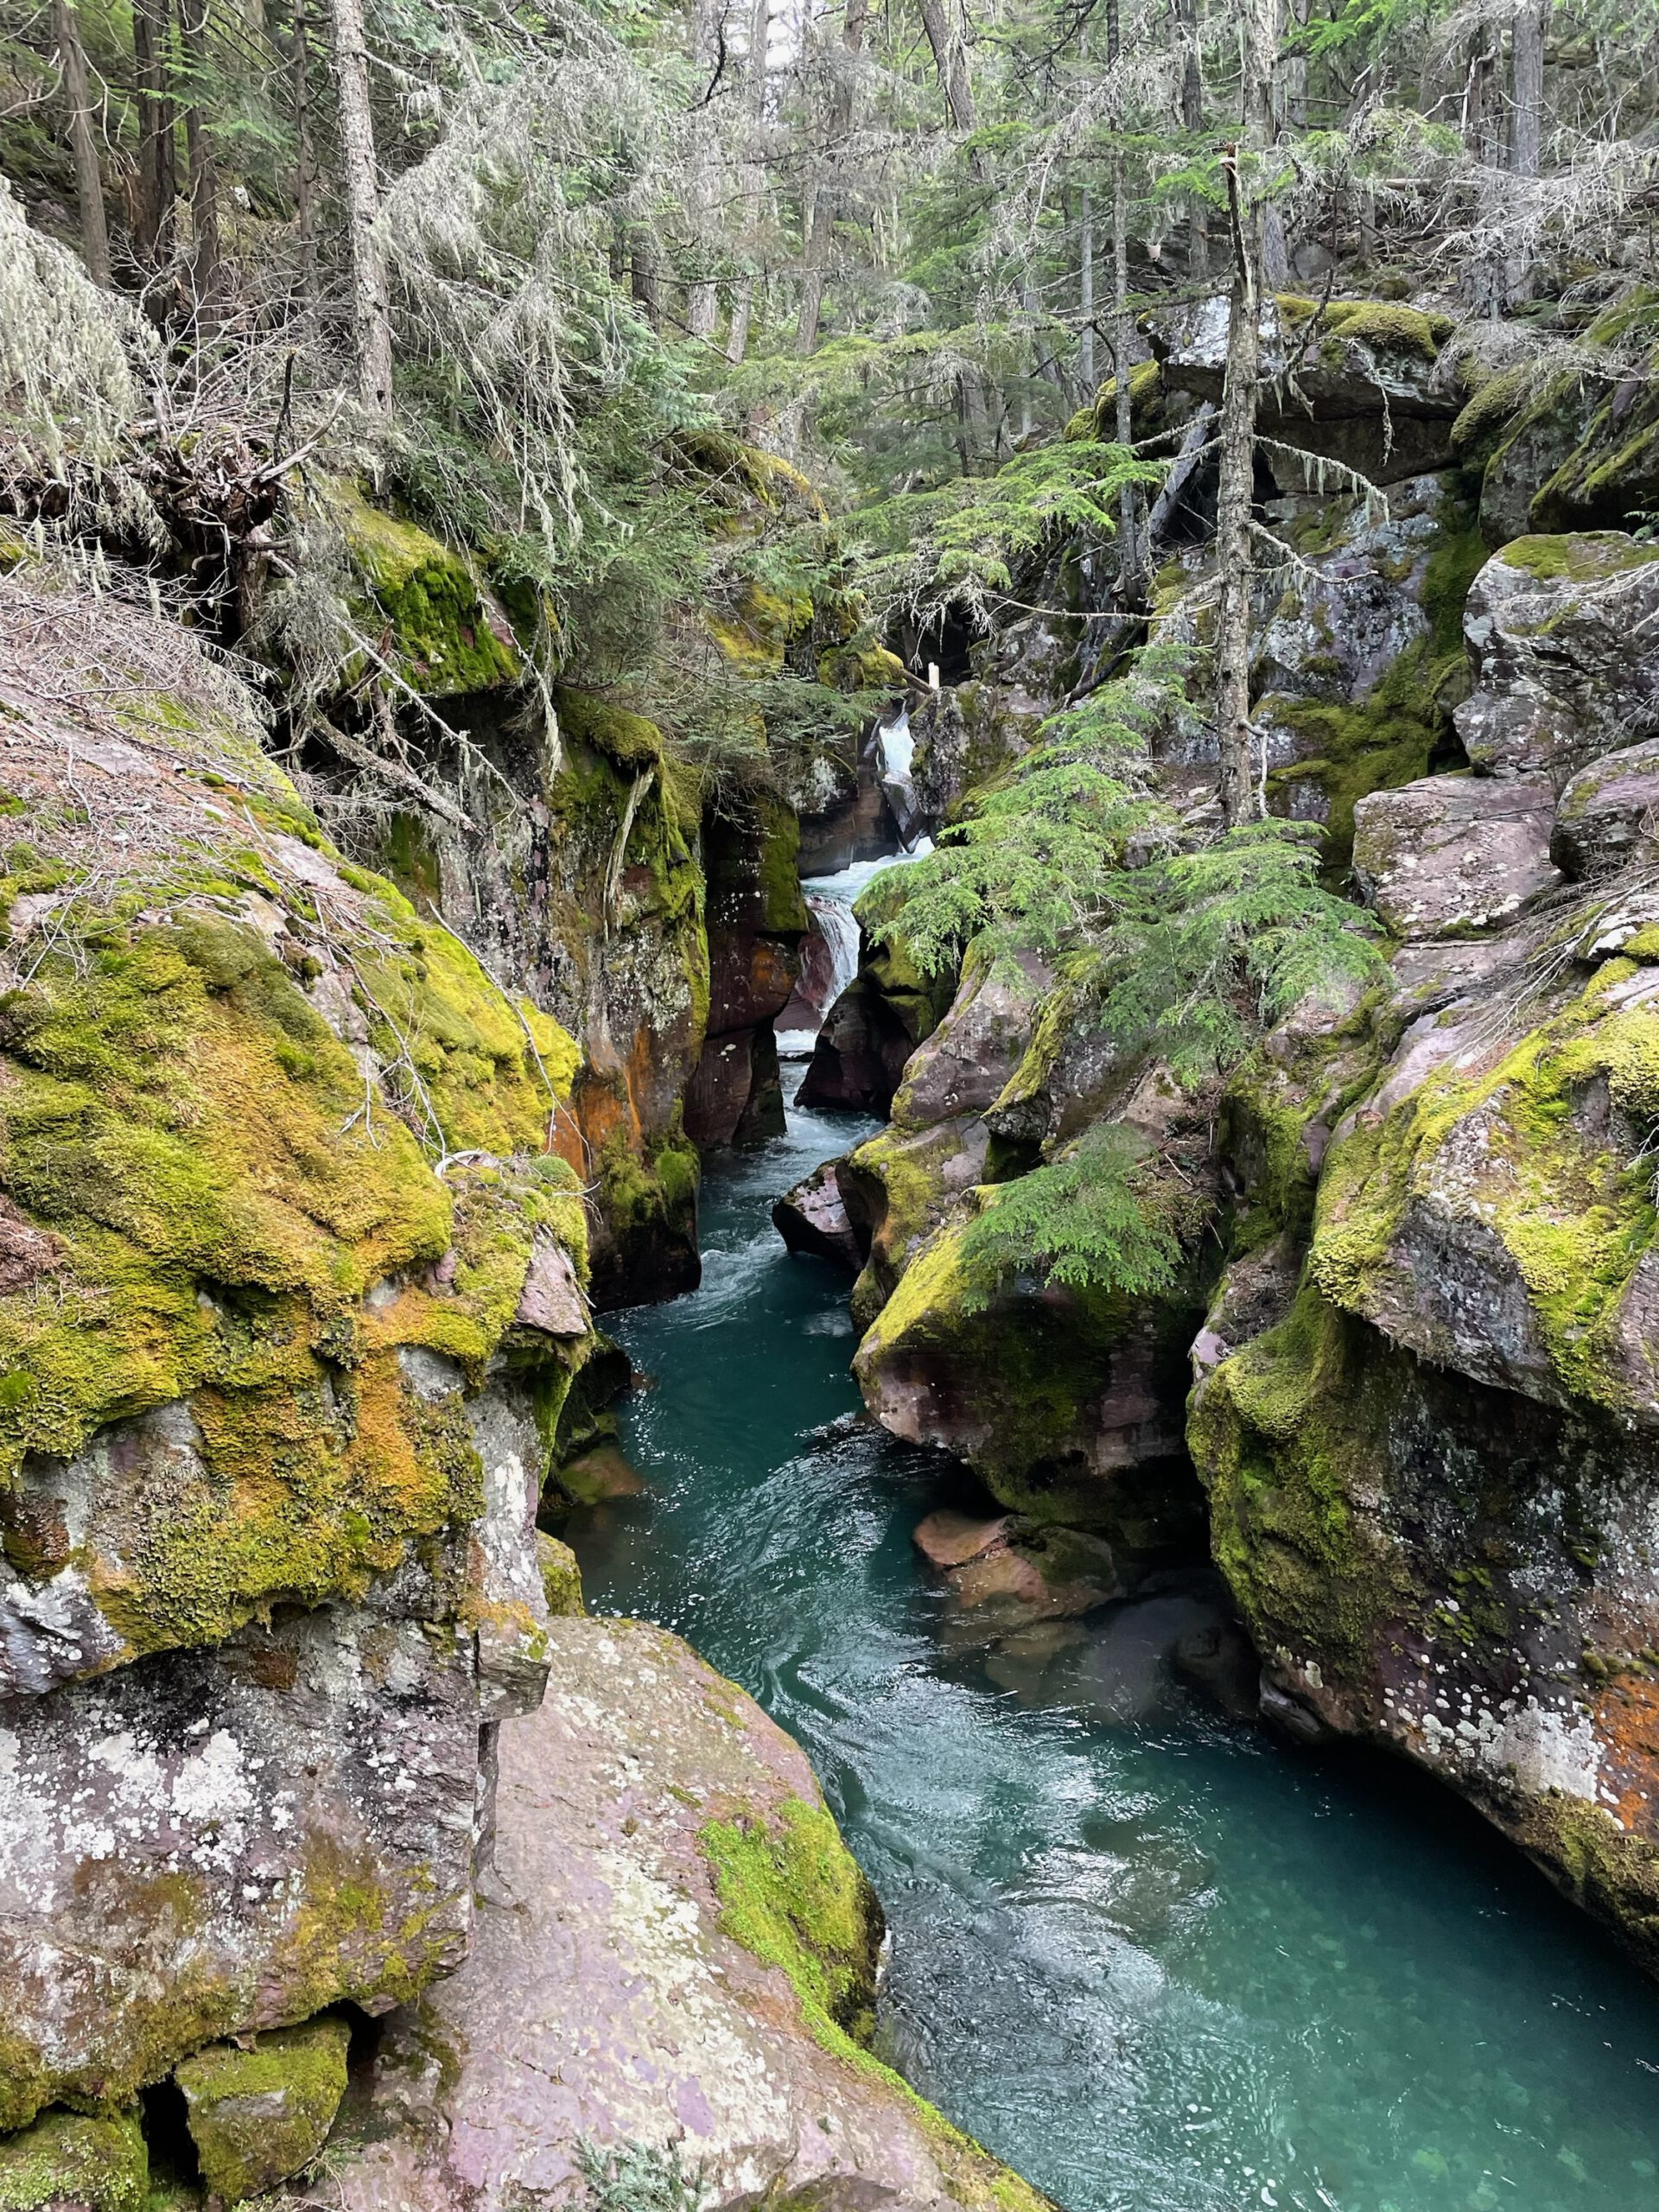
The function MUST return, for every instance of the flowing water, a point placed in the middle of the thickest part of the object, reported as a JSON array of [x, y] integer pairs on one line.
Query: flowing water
[[1155, 1959]]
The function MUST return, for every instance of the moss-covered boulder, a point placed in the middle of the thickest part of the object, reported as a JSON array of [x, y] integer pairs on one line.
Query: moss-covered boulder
[[1610, 479], [282, 1370], [426, 612], [1353, 381], [257, 2116], [1528, 430], [1434, 1477], [76, 2162], [1362, 660]]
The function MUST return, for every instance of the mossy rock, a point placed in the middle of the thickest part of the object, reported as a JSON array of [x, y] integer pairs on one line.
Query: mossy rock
[[561, 1577], [1610, 480], [94, 2162], [208, 1186], [430, 615], [793, 1893], [258, 2116]]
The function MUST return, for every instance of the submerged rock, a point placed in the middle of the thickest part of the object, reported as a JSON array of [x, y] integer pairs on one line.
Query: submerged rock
[[684, 1952]]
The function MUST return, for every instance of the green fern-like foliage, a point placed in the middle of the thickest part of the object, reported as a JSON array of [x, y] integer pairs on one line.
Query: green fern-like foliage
[[1038, 863], [1100, 1217], [1210, 946], [1183, 955]]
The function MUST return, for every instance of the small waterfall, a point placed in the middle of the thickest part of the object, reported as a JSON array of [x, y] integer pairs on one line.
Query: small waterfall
[[895, 754], [838, 928], [829, 954]]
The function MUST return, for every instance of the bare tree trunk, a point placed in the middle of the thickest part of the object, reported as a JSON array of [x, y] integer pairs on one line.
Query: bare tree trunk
[[950, 59], [642, 270], [1236, 495], [1526, 127], [89, 182], [157, 183], [204, 175], [1234, 503], [305, 176], [1130, 588], [1087, 371], [754, 178], [360, 180], [826, 198], [1526, 131], [708, 47], [1186, 19]]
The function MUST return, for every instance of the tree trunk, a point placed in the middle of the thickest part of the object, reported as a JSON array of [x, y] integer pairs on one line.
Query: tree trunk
[[754, 179], [1185, 20], [1087, 371], [203, 174], [708, 51], [305, 176], [642, 271], [89, 182], [360, 182], [1526, 131], [158, 181], [1234, 500], [826, 197], [950, 59], [1236, 494], [1129, 503]]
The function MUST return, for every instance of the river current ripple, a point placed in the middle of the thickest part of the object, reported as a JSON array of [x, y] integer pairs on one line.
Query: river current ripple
[[1157, 1960]]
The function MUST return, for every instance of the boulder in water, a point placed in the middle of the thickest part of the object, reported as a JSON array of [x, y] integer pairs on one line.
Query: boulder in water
[[813, 1218]]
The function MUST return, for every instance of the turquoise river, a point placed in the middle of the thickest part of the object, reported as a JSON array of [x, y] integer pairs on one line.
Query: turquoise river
[[1156, 1959]]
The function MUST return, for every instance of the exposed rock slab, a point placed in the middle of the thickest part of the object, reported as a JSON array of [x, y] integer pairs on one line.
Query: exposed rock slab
[[1609, 813], [1562, 632], [207, 1843], [606, 1995], [1454, 856]]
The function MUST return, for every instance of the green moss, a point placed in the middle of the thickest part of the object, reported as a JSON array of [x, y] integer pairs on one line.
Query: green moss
[[1387, 327], [1282, 1434], [1573, 1217], [218, 1194], [257, 2116], [1097, 422], [792, 1895], [1390, 738], [561, 1577], [94, 2161], [1026, 1372], [1584, 557], [1493, 406], [429, 618]]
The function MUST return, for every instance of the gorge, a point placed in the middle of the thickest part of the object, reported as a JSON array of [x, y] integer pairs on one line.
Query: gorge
[[829, 1107]]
